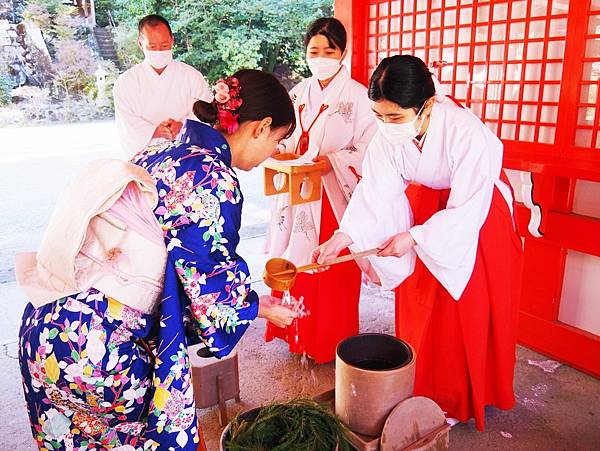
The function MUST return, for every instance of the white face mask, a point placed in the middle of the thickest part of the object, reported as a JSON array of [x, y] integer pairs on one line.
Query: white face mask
[[398, 134], [158, 58], [323, 68]]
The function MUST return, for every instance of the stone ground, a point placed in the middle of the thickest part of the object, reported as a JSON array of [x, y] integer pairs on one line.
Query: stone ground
[[557, 408]]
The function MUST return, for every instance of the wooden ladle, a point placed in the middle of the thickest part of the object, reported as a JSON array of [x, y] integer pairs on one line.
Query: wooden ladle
[[280, 274]]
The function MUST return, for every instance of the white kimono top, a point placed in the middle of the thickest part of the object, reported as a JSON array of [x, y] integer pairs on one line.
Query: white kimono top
[[459, 153], [143, 99], [342, 132]]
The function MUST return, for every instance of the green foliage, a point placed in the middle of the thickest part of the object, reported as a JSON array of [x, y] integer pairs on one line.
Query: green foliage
[[220, 36], [38, 14], [125, 40], [74, 68], [131, 11], [239, 51], [55, 19], [216, 36], [6, 86], [298, 425], [103, 9], [113, 74]]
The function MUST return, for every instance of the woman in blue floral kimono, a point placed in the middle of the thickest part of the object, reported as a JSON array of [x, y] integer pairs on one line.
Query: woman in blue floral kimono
[[99, 374]]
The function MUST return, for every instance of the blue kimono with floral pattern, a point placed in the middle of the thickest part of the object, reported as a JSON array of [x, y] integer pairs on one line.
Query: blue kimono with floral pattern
[[98, 374]]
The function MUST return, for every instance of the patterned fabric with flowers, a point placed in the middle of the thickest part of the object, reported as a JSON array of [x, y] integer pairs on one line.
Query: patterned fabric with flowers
[[206, 295], [87, 380]]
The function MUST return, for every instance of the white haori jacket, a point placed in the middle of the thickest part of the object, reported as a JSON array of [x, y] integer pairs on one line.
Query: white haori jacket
[[143, 99], [102, 234], [459, 153], [342, 133]]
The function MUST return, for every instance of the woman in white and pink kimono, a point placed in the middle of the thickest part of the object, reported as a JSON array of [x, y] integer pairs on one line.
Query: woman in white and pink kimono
[[335, 125], [449, 244]]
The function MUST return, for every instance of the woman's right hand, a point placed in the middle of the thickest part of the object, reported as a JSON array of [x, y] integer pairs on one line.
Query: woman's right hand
[[270, 309], [163, 130], [331, 248]]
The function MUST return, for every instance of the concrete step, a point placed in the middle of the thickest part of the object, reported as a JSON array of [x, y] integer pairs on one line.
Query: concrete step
[[114, 59], [106, 45]]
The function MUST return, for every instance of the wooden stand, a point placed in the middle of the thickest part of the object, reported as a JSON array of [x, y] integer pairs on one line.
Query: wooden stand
[[215, 380], [416, 423], [302, 183]]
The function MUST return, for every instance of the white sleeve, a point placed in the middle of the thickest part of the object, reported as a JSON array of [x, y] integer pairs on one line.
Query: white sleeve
[[200, 90], [447, 242], [134, 132], [350, 158], [378, 210]]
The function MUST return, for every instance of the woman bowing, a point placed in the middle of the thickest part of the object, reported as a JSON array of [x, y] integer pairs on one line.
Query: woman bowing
[[140, 263]]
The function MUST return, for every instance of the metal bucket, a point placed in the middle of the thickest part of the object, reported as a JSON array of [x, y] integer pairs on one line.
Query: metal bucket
[[373, 373]]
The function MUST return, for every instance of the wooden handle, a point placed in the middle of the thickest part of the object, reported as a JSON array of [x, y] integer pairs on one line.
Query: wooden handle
[[335, 261], [342, 259], [345, 258]]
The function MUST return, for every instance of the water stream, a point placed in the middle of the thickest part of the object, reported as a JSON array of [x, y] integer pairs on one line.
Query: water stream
[[297, 305]]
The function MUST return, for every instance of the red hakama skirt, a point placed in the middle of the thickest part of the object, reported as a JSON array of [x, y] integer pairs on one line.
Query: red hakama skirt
[[465, 348], [332, 299]]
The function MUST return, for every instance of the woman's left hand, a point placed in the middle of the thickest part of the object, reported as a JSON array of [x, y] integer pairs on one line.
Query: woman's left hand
[[397, 246], [270, 309], [325, 159]]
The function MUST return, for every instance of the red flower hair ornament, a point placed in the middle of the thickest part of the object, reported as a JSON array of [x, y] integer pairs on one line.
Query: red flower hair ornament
[[228, 101]]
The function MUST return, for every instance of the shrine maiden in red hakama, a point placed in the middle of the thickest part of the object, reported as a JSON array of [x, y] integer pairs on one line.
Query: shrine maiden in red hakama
[[334, 122], [458, 270]]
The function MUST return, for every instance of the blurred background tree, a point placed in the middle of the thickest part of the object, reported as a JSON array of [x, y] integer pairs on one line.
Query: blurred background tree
[[221, 36], [48, 73]]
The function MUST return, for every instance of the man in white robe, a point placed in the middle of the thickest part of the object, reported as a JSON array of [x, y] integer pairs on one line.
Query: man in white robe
[[153, 98]]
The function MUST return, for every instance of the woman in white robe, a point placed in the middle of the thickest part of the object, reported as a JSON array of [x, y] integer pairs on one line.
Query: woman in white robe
[[458, 244], [335, 125]]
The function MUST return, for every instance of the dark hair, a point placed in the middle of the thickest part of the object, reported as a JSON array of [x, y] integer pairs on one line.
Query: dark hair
[[329, 27], [402, 79], [262, 95], [153, 20]]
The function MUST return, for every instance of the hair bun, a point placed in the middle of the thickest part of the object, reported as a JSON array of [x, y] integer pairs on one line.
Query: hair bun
[[205, 111]]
